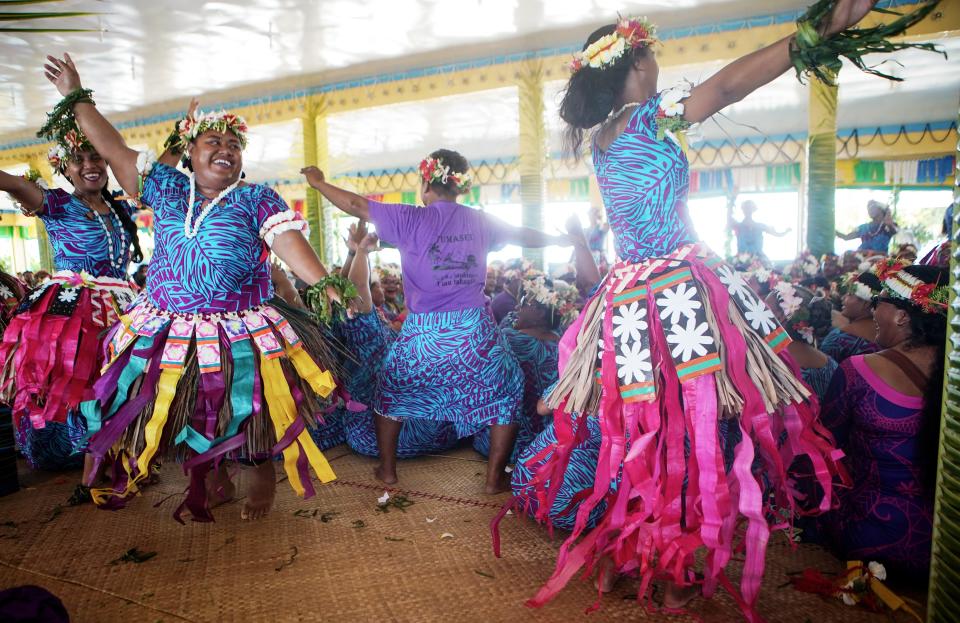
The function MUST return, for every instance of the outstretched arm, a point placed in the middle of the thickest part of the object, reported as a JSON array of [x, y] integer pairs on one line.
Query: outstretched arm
[[24, 191], [103, 136], [533, 238], [748, 73], [851, 236], [350, 202]]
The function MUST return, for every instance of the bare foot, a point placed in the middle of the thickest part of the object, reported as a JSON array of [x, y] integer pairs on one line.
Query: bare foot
[[260, 491], [676, 597], [607, 577], [387, 477], [220, 489], [499, 485]]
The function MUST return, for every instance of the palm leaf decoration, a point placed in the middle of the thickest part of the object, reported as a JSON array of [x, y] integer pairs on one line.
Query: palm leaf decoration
[[8, 16]]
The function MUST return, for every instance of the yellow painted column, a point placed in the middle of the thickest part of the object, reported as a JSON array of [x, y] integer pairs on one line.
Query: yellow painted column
[[820, 170], [315, 152], [43, 241], [532, 148]]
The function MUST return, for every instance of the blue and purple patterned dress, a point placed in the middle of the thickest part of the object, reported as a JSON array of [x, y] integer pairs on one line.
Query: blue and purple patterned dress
[[887, 515], [538, 362], [645, 358], [83, 241], [369, 339], [231, 371], [840, 345]]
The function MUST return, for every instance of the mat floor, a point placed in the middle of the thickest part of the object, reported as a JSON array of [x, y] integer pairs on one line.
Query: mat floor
[[336, 557]]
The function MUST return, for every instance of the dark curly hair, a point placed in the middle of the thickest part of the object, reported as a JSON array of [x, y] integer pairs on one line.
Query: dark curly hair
[[457, 164], [591, 92]]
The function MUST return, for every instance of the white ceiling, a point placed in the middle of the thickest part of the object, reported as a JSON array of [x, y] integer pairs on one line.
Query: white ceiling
[[153, 52]]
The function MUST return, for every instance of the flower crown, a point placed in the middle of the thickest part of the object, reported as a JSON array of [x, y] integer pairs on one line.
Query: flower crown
[[796, 316], [806, 265], [634, 32], [67, 145], [192, 126], [851, 285], [560, 299], [433, 170], [389, 270], [900, 285]]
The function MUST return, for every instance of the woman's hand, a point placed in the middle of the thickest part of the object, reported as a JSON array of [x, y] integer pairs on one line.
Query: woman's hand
[[847, 13], [63, 74], [314, 176], [370, 243], [358, 231], [575, 231]]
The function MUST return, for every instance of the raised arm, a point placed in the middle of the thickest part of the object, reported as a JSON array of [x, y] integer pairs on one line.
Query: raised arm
[[350, 202], [103, 136], [588, 275], [851, 236], [748, 73], [360, 272], [358, 231], [23, 191]]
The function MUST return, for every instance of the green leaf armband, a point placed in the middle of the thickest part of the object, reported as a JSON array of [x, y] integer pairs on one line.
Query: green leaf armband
[[324, 308]]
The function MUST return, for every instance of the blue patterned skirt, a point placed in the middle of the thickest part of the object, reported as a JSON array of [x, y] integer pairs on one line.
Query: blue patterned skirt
[[56, 446], [578, 480], [452, 367]]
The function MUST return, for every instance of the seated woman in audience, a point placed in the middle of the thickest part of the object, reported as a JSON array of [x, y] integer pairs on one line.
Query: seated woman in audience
[[858, 335], [545, 307], [884, 410], [369, 338], [806, 318]]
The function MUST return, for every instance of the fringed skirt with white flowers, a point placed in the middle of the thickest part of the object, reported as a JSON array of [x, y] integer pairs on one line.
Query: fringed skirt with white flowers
[[682, 364], [51, 351]]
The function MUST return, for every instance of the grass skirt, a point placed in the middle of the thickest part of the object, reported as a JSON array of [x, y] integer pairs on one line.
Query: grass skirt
[[51, 349], [669, 352], [209, 387]]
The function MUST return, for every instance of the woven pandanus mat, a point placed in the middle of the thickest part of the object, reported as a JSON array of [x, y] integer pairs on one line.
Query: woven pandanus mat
[[335, 557]]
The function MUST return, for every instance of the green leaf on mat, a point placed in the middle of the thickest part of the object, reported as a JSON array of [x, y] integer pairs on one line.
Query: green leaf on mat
[[483, 573], [133, 555]]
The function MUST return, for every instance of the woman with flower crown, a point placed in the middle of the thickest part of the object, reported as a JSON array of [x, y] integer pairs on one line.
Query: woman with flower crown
[[884, 409], [208, 363], [51, 350], [859, 334], [678, 341], [449, 362]]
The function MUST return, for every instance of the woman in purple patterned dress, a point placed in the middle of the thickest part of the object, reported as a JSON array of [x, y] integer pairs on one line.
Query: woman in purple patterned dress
[[51, 351], [208, 363], [858, 336], [884, 409], [450, 361]]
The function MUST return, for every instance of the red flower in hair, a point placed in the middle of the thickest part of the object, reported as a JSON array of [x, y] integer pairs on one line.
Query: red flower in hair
[[921, 294], [886, 268]]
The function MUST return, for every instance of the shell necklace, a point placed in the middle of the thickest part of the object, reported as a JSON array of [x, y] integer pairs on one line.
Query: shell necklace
[[192, 231], [116, 260]]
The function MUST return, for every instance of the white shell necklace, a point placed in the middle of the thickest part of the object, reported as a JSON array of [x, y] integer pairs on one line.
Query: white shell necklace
[[616, 114], [192, 231], [116, 260]]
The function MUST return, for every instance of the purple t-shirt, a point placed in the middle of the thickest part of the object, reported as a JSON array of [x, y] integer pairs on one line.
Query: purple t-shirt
[[443, 252]]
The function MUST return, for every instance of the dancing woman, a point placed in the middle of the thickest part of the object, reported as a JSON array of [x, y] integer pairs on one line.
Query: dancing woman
[[208, 362], [680, 340], [51, 350], [450, 361]]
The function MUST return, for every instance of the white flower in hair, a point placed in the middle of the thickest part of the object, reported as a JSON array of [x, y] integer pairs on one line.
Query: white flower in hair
[[877, 570]]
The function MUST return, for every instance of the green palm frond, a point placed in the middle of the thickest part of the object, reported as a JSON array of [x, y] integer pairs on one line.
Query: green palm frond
[[13, 17], [22, 2], [3, 29]]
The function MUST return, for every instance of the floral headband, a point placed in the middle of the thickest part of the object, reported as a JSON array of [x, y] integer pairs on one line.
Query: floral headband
[[192, 126], [795, 314], [560, 299], [634, 32], [68, 145], [901, 286], [389, 270], [433, 170], [851, 285]]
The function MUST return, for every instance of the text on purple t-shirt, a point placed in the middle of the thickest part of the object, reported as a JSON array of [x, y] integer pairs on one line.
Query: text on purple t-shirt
[[443, 251]]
